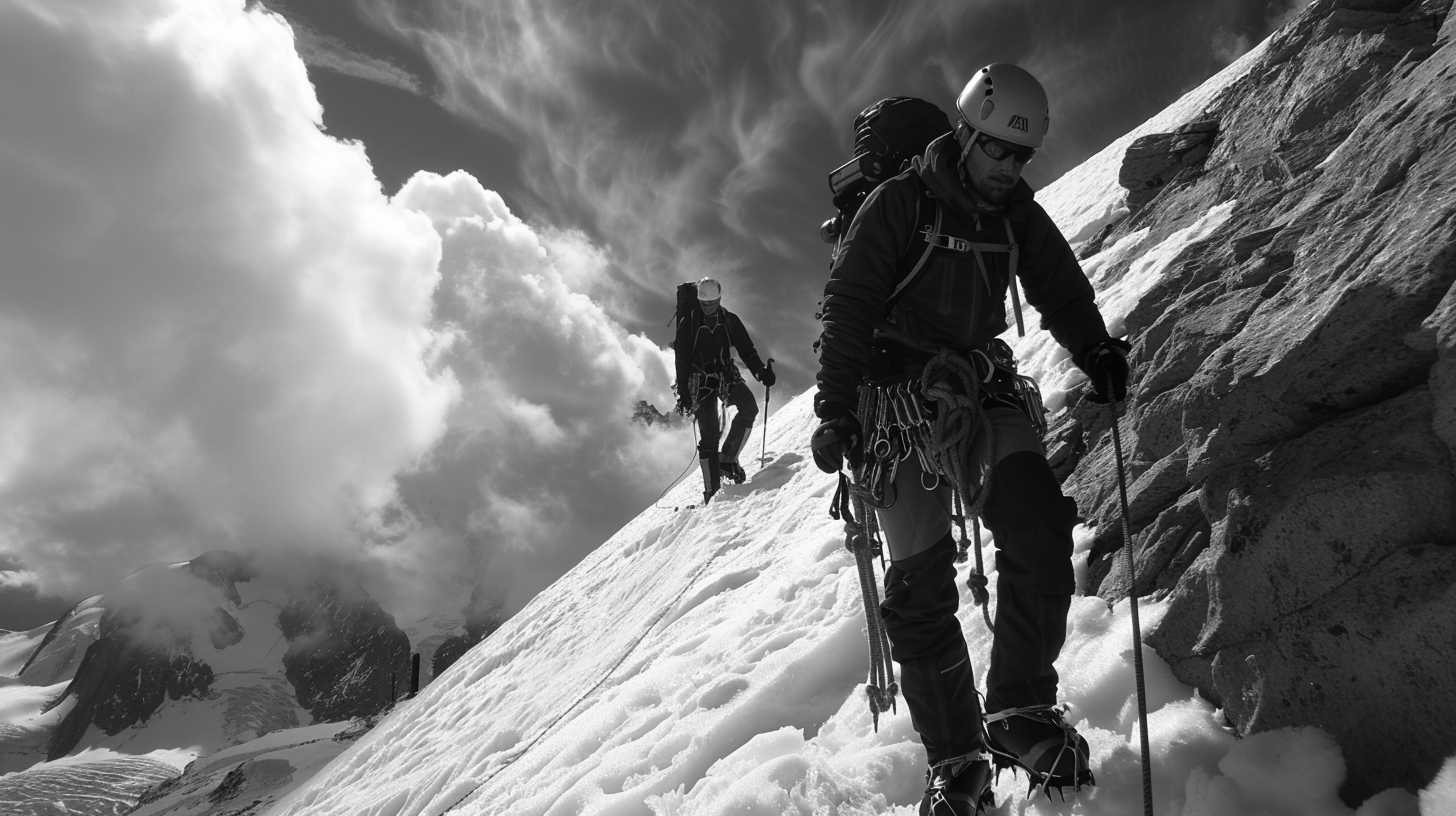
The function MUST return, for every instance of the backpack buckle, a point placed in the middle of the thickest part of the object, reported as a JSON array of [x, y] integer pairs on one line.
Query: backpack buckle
[[943, 241]]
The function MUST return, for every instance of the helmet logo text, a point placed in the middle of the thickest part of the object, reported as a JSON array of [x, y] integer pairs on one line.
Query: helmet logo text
[[1020, 123]]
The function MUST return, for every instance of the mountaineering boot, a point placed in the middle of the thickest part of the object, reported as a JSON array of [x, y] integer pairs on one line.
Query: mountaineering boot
[[710, 476], [732, 471], [1038, 740], [734, 439], [960, 786]]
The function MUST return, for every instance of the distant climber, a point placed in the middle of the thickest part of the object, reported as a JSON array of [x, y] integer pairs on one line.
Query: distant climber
[[705, 337], [910, 318]]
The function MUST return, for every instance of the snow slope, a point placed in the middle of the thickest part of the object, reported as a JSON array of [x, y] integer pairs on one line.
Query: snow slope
[[711, 661]]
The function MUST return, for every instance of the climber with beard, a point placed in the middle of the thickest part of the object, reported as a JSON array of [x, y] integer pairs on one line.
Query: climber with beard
[[918, 284], [706, 335]]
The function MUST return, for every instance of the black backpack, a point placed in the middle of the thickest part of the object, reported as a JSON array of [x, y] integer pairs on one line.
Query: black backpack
[[687, 315], [887, 135]]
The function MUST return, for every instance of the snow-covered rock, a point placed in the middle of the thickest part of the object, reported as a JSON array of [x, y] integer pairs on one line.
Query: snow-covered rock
[[1291, 428], [181, 661]]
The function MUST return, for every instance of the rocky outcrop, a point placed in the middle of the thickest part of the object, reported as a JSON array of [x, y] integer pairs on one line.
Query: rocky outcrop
[[1155, 160], [1292, 430], [123, 680], [346, 658], [483, 615]]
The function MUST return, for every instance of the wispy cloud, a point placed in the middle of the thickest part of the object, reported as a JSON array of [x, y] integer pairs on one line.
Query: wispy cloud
[[694, 137], [642, 118], [323, 51]]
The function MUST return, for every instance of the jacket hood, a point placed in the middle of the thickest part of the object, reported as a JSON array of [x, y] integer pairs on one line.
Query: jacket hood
[[939, 168]]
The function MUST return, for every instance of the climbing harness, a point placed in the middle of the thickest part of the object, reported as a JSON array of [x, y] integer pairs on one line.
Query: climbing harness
[[940, 418], [707, 385]]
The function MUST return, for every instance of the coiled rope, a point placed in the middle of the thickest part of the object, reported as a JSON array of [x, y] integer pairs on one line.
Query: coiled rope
[[953, 384]]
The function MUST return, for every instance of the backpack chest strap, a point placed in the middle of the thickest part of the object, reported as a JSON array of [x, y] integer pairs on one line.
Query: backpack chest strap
[[936, 239]]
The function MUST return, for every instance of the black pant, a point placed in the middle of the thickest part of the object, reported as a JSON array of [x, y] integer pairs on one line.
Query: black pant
[[740, 399], [1032, 524]]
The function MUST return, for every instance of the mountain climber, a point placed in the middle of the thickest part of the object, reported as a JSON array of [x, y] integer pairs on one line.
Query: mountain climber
[[706, 373], [986, 232]]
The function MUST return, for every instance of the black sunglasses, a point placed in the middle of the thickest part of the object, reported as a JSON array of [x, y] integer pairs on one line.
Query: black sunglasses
[[998, 150]]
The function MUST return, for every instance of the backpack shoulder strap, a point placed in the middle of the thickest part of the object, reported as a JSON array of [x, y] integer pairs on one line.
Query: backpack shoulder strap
[[924, 201]]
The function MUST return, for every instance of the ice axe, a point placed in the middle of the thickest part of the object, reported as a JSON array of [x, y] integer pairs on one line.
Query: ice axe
[[763, 449]]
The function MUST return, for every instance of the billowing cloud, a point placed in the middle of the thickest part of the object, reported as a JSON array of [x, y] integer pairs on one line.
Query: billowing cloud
[[215, 329], [541, 461]]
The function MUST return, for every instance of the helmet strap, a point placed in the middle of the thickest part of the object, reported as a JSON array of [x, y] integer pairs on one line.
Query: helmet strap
[[967, 148]]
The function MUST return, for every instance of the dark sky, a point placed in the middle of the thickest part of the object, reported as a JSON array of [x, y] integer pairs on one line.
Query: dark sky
[[693, 138]]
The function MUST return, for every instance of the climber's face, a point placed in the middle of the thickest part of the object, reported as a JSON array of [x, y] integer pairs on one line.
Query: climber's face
[[992, 166]]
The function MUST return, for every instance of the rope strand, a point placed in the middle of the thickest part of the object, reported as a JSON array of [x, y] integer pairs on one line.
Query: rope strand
[[953, 384], [589, 692]]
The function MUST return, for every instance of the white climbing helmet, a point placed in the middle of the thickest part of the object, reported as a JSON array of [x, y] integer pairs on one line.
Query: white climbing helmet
[[709, 290], [1004, 101]]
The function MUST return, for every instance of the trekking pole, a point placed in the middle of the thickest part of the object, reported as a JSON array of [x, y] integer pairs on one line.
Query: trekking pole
[[1137, 638], [763, 450]]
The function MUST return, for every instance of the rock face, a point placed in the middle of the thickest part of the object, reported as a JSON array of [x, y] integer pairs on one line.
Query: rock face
[[121, 682], [345, 657], [187, 633], [1292, 429], [1155, 160]]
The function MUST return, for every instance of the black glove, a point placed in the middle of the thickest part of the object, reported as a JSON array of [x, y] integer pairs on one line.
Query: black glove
[[1107, 367], [834, 441], [766, 376]]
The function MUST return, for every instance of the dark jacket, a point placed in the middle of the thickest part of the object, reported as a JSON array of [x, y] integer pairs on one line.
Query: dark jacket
[[702, 344], [952, 304]]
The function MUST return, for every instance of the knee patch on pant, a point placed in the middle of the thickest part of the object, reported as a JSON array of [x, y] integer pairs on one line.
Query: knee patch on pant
[[1032, 522], [920, 603]]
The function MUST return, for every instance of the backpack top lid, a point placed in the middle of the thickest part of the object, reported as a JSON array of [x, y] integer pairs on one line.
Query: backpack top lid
[[898, 128], [887, 135], [686, 296]]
